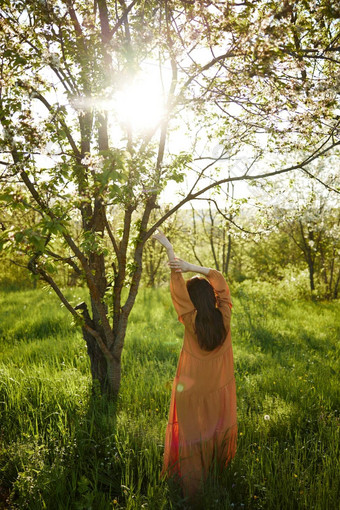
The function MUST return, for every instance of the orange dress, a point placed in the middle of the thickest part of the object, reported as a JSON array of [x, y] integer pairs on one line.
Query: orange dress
[[202, 422]]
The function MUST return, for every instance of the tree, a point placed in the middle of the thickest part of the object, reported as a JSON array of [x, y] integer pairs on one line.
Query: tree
[[313, 230], [308, 213], [70, 154]]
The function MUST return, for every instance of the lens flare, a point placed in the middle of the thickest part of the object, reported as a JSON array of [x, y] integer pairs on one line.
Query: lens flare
[[140, 105]]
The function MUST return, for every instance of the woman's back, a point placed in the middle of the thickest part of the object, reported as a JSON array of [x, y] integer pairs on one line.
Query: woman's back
[[203, 403], [202, 424]]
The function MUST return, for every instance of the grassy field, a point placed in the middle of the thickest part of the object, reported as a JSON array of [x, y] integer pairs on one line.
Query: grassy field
[[63, 448]]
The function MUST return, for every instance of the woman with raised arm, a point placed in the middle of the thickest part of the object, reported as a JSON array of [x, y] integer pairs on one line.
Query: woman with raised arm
[[202, 426]]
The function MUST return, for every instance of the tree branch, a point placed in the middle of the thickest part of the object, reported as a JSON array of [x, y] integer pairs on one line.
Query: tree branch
[[126, 309], [243, 177], [104, 21], [320, 181], [119, 280], [121, 19], [111, 236], [48, 279], [227, 217], [89, 276], [41, 98], [76, 24], [68, 260]]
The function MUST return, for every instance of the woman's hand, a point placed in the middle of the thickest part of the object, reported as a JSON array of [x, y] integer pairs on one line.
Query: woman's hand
[[161, 237], [180, 266]]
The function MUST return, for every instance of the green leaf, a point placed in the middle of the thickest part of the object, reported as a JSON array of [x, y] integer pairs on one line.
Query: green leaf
[[19, 236], [6, 197], [38, 241]]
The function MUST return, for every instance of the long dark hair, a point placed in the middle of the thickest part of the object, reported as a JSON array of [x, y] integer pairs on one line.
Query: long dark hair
[[209, 326]]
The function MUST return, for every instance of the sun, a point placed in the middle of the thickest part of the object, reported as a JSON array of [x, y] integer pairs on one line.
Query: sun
[[140, 105]]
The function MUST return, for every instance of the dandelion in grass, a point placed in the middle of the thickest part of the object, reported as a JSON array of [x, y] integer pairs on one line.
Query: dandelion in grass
[[266, 417]]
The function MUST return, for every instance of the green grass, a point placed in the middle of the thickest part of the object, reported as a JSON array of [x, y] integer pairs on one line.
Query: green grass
[[63, 448]]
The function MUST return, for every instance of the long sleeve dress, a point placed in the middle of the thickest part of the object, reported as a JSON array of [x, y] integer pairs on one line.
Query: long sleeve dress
[[202, 425]]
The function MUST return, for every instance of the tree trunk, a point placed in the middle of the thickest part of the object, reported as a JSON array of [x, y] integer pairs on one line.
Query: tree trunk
[[97, 360], [105, 372], [113, 379], [151, 282], [336, 287], [226, 268], [332, 292], [211, 239], [307, 251], [311, 275]]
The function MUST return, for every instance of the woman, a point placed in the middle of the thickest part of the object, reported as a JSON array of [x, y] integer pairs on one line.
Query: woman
[[202, 427]]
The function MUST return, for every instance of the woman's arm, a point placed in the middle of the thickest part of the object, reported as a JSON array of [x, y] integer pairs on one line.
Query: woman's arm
[[215, 278], [180, 266], [161, 237], [179, 293], [184, 267]]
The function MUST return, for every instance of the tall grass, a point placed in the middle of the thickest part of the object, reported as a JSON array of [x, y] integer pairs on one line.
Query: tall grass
[[62, 447]]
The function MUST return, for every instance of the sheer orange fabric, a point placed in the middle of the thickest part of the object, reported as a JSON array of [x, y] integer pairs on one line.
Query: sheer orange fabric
[[202, 424]]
